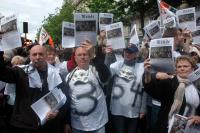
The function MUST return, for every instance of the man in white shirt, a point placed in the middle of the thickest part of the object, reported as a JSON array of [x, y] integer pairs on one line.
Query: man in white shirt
[[88, 105]]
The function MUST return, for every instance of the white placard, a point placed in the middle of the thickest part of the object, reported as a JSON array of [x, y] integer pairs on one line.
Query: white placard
[[180, 124], [194, 75], [10, 38], [153, 30], [169, 22], [196, 36], [105, 19], [85, 27], [198, 18], [52, 101], [68, 39], [134, 39], [115, 35], [161, 55], [186, 18]]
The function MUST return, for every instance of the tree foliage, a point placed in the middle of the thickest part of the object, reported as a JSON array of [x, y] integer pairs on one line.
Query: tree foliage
[[53, 23], [128, 10]]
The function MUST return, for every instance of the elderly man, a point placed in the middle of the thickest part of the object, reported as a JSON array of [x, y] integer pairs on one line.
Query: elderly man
[[88, 105], [32, 82]]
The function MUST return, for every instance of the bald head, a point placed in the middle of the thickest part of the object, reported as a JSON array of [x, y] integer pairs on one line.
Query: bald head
[[38, 57], [37, 48], [82, 58]]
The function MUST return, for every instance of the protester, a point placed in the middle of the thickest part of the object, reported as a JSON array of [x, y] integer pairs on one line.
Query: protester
[[88, 105], [10, 93], [195, 55], [176, 33], [172, 91], [128, 102], [32, 82], [3, 98]]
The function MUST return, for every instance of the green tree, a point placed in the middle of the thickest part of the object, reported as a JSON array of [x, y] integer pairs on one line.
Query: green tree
[[128, 10], [53, 23]]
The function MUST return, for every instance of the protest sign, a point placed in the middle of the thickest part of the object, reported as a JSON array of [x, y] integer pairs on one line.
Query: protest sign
[[115, 35], [196, 36], [105, 19], [153, 30], [10, 38], [186, 18], [52, 101], [85, 27], [68, 39], [161, 55]]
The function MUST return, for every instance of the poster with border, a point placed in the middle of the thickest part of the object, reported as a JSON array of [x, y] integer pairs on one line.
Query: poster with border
[[169, 22], [196, 36], [153, 30], [68, 39], [85, 27], [10, 38], [115, 35], [161, 55], [105, 19], [186, 18]]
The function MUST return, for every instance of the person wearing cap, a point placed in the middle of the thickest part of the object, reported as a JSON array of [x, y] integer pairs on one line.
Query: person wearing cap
[[128, 102], [195, 54]]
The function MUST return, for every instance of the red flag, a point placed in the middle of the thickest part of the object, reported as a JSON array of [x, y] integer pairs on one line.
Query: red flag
[[166, 11], [51, 42]]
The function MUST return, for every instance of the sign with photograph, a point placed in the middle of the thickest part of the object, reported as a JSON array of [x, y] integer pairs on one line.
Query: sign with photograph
[[68, 39], [186, 18], [52, 101], [161, 55], [115, 35], [194, 77], [105, 19], [153, 30], [10, 38], [197, 17], [169, 22], [85, 27], [180, 124], [196, 36]]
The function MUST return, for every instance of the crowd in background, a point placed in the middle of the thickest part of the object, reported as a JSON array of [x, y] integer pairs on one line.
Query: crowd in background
[[103, 94]]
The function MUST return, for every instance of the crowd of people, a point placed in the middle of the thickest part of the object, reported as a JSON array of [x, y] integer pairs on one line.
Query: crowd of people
[[104, 94]]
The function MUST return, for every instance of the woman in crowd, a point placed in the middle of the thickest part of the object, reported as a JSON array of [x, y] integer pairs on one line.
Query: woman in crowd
[[175, 92]]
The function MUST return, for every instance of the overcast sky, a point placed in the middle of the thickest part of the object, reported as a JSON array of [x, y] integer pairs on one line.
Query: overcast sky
[[31, 11]]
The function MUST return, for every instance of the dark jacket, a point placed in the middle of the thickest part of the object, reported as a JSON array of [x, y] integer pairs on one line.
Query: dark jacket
[[23, 116], [164, 91]]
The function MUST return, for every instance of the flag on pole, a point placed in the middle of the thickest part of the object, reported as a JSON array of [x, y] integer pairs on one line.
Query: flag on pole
[[51, 43], [166, 11], [44, 36]]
